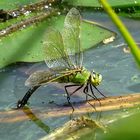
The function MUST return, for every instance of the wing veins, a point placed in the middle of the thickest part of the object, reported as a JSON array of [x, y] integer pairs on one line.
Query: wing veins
[[56, 78], [55, 52]]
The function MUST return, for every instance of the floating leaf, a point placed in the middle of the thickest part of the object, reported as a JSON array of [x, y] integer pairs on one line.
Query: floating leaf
[[129, 8], [96, 3], [26, 44], [8, 4]]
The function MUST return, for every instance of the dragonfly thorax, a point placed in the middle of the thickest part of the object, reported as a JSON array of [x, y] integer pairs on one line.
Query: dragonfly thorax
[[95, 78], [78, 76]]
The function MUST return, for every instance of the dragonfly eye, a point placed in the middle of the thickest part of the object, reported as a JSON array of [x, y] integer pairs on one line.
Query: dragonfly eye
[[100, 77], [93, 74]]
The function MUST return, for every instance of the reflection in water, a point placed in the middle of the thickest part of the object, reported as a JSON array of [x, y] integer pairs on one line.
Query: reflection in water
[[35, 119], [14, 116]]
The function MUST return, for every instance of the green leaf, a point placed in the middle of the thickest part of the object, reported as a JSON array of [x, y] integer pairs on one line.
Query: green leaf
[[25, 45], [124, 129], [96, 3], [129, 8], [9, 5], [135, 15]]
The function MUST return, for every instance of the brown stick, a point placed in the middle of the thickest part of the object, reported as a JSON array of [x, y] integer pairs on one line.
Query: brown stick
[[25, 23], [105, 104]]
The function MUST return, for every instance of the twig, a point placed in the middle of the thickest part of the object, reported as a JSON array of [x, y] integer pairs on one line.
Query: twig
[[27, 22], [33, 7], [106, 104]]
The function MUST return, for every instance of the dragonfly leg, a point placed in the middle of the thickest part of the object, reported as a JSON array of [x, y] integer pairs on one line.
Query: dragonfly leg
[[98, 116], [99, 91], [94, 94], [68, 96], [21, 103], [76, 89], [86, 92]]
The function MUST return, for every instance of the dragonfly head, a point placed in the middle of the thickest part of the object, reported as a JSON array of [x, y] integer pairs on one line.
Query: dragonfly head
[[96, 78]]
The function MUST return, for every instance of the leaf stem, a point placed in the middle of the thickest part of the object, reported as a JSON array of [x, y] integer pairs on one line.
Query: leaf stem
[[123, 30]]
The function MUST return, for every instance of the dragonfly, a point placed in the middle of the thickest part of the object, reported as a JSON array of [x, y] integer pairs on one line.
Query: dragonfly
[[64, 57]]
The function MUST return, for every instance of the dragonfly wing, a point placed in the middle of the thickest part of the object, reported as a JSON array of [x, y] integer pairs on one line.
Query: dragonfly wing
[[71, 36], [43, 77], [38, 77], [54, 51]]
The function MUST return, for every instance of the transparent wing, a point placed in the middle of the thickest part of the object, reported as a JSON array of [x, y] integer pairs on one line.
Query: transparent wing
[[43, 77], [38, 78], [55, 53], [71, 36]]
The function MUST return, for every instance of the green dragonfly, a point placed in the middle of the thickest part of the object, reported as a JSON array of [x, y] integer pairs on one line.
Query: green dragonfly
[[63, 56]]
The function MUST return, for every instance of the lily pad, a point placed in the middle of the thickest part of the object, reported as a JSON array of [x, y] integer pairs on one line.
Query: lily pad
[[96, 3], [25, 45], [129, 8], [8, 4]]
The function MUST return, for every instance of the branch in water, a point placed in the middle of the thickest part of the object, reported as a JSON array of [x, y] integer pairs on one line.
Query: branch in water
[[105, 104]]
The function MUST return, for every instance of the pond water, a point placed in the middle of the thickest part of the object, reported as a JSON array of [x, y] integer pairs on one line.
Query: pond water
[[120, 73]]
